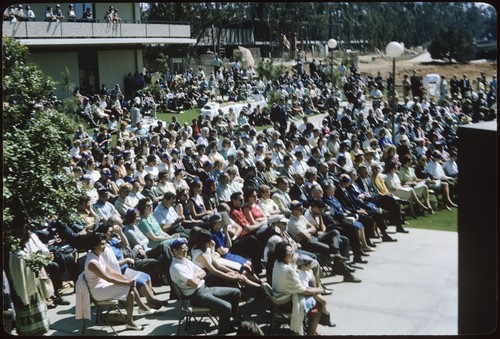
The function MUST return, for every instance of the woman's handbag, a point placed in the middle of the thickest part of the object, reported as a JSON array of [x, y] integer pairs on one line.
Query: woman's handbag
[[46, 283]]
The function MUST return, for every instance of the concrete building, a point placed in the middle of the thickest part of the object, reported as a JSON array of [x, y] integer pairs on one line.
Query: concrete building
[[94, 51]]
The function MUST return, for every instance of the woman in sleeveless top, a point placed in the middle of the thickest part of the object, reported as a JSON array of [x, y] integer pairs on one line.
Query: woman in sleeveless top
[[196, 205], [104, 284]]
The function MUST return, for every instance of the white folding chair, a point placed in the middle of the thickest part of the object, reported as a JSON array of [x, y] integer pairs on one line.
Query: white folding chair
[[102, 307]]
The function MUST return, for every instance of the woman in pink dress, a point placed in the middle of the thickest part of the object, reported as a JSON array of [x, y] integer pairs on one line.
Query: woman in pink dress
[[105, 284]]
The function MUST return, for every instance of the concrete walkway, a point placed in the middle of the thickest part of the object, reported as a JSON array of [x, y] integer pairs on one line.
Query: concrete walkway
[[408, 288]]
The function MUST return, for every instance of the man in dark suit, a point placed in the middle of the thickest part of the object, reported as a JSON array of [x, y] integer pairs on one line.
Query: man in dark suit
[[191, 165], [464, 85], [387, 202], [298, 190], [279, 114], [251, 182], [335, 214], [315, 158], [416, 85], [366, 216], [454, 86]]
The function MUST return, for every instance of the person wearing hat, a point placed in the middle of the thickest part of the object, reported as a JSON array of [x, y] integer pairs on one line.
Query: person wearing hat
[[71, 13], [189, 278], [106, 210], [105, 182]]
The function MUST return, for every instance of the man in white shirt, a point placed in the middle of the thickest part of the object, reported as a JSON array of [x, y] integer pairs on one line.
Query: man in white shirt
[[189, 278], [166, 215], [299, 165], [123, 203], [135, 195], [450, 166]]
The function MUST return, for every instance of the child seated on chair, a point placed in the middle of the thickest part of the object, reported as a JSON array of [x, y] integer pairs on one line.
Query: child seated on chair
[[307, 277]]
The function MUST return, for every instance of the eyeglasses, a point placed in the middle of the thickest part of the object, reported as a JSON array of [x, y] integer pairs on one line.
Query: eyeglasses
[[149, 205]]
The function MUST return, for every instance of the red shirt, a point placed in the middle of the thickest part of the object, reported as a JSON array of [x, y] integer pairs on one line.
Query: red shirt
[[239, 217]]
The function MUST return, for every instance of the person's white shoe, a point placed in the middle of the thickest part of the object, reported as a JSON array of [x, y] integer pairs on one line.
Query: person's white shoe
[[147, 312]]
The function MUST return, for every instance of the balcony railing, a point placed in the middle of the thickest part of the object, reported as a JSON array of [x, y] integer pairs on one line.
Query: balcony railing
[[43, 30]]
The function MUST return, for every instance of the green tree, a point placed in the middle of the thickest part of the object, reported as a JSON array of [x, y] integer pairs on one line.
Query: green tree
[[36, 183], [452, 44]]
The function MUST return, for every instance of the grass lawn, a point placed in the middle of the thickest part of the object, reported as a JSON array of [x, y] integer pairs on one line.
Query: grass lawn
[[443, 220]]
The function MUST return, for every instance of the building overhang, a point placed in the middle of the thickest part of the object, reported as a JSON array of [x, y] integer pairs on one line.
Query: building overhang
[[96, 42]]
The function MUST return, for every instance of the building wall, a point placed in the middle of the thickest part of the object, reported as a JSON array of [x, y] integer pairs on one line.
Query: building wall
[[55, 63], [114, 65]]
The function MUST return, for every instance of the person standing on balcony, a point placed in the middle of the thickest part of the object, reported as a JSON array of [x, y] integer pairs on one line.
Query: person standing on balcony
[[87, 14], [30, 14], [58, 12], [49, 14], [71, 13]]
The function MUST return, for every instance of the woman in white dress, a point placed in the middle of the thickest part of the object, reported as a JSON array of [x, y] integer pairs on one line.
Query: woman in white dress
[[403, 191], [105, 284]]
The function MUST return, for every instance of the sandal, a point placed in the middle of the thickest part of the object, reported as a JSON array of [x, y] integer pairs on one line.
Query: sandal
[[134, 327]]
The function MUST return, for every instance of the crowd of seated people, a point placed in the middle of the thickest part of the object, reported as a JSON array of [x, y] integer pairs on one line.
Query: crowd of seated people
[[326, 191]]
